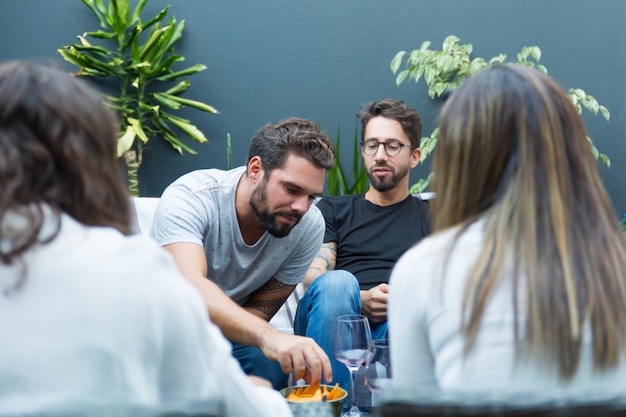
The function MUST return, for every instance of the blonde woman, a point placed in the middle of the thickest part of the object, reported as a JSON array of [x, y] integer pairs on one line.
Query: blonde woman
[[522, 287]]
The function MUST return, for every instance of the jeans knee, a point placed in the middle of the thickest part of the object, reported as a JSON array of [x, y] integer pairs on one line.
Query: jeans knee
[[333, 293], [338, 282]]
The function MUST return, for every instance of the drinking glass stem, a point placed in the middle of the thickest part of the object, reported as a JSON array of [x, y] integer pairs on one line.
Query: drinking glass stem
[[353, 390]]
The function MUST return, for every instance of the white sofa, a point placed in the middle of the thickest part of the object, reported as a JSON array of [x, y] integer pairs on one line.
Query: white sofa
[[144, 213]]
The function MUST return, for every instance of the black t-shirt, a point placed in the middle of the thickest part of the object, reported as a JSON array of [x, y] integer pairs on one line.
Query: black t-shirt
[[371, 238]]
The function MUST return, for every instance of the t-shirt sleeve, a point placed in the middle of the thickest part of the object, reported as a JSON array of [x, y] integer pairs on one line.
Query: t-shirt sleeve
[[425, 218], [180, 217], [328, 212]]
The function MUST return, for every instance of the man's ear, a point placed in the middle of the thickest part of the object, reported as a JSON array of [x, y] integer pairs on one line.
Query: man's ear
[[415, 157], [255, 169]]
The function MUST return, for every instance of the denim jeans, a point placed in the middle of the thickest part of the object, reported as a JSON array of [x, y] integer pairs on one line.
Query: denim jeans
[[332, 294], [254, 362]]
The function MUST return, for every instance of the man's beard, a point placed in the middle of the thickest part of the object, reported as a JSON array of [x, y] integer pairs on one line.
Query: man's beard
[[385, 184], [258, 202]]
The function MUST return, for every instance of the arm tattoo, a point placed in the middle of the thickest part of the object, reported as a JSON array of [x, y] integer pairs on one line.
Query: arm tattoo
[[268, 308], [326, 260], [328, 255], [323, 262], [270, 297]]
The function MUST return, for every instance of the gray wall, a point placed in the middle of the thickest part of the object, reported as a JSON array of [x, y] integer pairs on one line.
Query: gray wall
[[321, 59]]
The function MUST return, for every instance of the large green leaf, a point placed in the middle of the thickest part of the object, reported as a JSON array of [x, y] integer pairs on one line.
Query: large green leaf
[[397, 61], [334, 175], [162, 48], [87, 62], [138, 127], [193, 103], [172, 104], [99, 51], [187, 127], [165, 66], [338, 182], [160, 16], [187, 71], [98, 9], [125, 142], [152, 43], [100, 34], [181, 87], [177, 34], [119, 14], [137, 12], [170, 137]]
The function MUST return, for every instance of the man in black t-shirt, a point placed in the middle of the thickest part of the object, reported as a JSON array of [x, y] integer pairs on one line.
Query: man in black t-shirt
[[366, 233]]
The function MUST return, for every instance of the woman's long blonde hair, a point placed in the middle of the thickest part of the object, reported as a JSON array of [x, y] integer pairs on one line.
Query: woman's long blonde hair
[[513, 150]]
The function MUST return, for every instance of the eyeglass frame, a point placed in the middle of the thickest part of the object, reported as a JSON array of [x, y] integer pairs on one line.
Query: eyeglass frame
[[384, 144]]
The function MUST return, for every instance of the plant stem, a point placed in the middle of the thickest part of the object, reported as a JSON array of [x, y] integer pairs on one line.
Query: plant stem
[[133, 161]]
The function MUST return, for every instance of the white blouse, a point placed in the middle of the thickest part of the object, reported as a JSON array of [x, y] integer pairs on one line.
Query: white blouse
[[107, 320], [426, 293]]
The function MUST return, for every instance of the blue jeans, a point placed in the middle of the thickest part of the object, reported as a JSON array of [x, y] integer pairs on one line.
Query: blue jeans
[[254, 362], [332, 294]]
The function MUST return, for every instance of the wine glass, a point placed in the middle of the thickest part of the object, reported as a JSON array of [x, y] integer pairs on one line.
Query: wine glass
[[351, 342], [378, 366]]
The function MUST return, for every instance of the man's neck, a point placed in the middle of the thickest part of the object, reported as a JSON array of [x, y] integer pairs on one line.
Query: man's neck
[[249, 224], [386, 198]]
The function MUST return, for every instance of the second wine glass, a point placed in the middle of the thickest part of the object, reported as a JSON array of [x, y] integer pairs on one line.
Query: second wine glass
[[351, 341], [378, 366]]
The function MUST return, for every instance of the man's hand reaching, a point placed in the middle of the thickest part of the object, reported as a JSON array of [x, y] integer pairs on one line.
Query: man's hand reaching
[[299, 354]]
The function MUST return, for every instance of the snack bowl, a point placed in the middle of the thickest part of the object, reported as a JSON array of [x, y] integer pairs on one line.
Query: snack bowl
[[315, 406]]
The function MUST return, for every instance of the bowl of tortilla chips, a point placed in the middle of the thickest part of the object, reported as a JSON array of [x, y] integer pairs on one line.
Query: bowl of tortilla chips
[[303, 399]]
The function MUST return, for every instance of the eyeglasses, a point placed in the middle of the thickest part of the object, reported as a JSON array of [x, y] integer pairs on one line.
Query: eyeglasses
[[392, 147]]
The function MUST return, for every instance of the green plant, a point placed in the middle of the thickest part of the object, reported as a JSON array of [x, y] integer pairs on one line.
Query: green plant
[[444, 70], [229, 152], [338, 182], [141, 62]]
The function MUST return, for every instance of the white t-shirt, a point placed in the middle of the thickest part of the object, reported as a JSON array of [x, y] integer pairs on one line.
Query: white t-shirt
[[104, 320], [199, 208], [426, 293]]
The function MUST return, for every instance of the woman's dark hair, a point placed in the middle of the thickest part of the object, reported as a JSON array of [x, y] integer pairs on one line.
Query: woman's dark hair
[[58, 153]]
